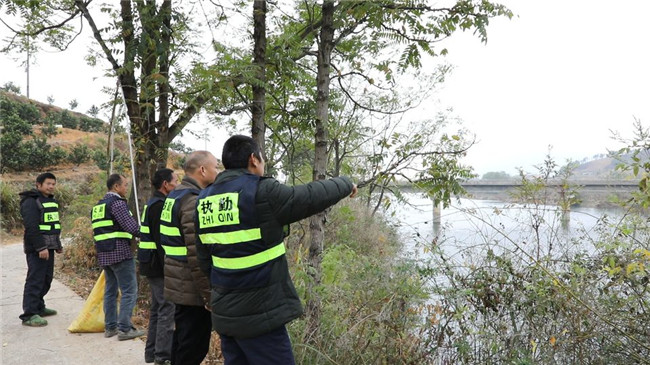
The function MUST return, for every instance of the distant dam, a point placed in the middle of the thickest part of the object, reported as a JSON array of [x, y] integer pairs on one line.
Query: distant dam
[[588, 192]]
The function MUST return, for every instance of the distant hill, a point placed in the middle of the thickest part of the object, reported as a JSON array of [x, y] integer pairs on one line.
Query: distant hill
[[602, 167]]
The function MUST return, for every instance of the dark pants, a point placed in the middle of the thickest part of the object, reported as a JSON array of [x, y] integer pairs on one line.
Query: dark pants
[[270, 348], [161, 324], [192, 335], [39, 279]]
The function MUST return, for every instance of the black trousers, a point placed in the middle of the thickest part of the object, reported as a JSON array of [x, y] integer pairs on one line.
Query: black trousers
[[272, 348], [39, 279], [192, 335]]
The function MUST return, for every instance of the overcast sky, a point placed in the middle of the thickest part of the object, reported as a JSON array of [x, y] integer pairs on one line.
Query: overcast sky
[[561, 73]]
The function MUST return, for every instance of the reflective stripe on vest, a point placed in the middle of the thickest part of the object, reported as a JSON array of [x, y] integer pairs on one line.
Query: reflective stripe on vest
[[228, 225], [171, 237], [147, 246], [49, 223], [146, 242], [104, 228], [226, 238], [245, 262]]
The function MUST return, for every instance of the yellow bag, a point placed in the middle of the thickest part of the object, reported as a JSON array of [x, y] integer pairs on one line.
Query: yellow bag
[[91, 318]]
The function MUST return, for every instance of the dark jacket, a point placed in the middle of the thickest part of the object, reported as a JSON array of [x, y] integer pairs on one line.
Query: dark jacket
[[155, 267], [33, 239], [185, 283], [247, 313]]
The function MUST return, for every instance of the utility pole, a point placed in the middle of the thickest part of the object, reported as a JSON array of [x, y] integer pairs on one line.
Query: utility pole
[[27, 66]]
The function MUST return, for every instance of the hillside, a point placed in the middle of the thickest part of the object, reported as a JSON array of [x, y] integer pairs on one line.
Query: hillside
[[603, 167], [41, 137]]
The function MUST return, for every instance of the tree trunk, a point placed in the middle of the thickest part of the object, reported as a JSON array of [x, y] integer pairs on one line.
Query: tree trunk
[[259, 62], [316, 222]]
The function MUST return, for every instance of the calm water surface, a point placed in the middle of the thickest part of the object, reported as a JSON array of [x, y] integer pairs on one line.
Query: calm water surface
[[471, 227]]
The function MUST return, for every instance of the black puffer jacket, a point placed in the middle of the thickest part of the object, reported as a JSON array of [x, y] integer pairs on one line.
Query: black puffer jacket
[[33, 239], [252, 312]]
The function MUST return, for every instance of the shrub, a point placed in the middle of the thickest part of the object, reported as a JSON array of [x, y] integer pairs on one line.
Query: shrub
[[79, 154], [368, 296], [13, 152], [38, 154], [80, 252], [10, 207], [14, 123], [91, 124], [29, 113], [68, 121], [26, 112], [49, 129]]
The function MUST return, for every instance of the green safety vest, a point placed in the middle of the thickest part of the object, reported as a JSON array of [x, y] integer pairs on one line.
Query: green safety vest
[[147, 246], [171, 236], [228, 225], [105, 230], [49, 223]]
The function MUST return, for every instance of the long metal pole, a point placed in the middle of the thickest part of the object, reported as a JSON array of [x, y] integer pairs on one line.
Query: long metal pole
[[135, 190], [128, 134]]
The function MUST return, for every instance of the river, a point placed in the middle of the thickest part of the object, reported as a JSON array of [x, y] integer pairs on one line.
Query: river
[[470, 227]]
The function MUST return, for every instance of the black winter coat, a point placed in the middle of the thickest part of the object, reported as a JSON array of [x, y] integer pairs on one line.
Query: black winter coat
[[155, 267], [252, 312], [33, 240]]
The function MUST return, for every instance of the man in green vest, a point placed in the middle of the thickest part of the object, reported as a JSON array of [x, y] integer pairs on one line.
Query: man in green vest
[[242, 220], [151, 256], [40, 213], [113, 228], [185, 284]]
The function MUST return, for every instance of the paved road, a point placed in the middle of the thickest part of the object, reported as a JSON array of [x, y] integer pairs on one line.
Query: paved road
[[52, 344]]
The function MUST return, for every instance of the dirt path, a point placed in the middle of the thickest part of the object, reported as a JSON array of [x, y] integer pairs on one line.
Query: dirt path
[[52, 344]]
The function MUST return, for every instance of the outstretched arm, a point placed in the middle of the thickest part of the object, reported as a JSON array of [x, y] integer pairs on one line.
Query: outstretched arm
[[293, 203]]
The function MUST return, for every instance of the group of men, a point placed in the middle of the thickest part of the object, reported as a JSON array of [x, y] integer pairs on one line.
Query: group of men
[[212, 249]]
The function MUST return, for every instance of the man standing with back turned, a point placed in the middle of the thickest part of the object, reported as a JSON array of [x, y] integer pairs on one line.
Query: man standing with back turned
[[185, 284], [113, 228], [40, 212], [158, 349], [242, 221]]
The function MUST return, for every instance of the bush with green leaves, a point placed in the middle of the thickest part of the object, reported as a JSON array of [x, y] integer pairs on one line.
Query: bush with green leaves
[[370, 296], [120, 161], [91, 124], [38, 154], [543, 296], [25, 111], [10, 206], [79, 154], [67, 120]]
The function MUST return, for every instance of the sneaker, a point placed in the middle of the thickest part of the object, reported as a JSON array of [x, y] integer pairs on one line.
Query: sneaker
[[130, 334], [110, 333], [47, 312], [35, 321]]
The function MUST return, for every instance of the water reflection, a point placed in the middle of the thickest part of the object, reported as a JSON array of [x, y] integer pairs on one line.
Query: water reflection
[[474, 226]]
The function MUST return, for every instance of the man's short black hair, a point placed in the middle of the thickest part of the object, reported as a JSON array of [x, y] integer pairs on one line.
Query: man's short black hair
[[112, 180], [46, 175], [160, 176], [236, 151]]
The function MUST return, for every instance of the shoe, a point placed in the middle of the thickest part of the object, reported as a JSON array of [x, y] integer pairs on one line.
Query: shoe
[[47, 312], [35, 321], [162, 362], [148, 359], [132, 333], [110, 333]]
